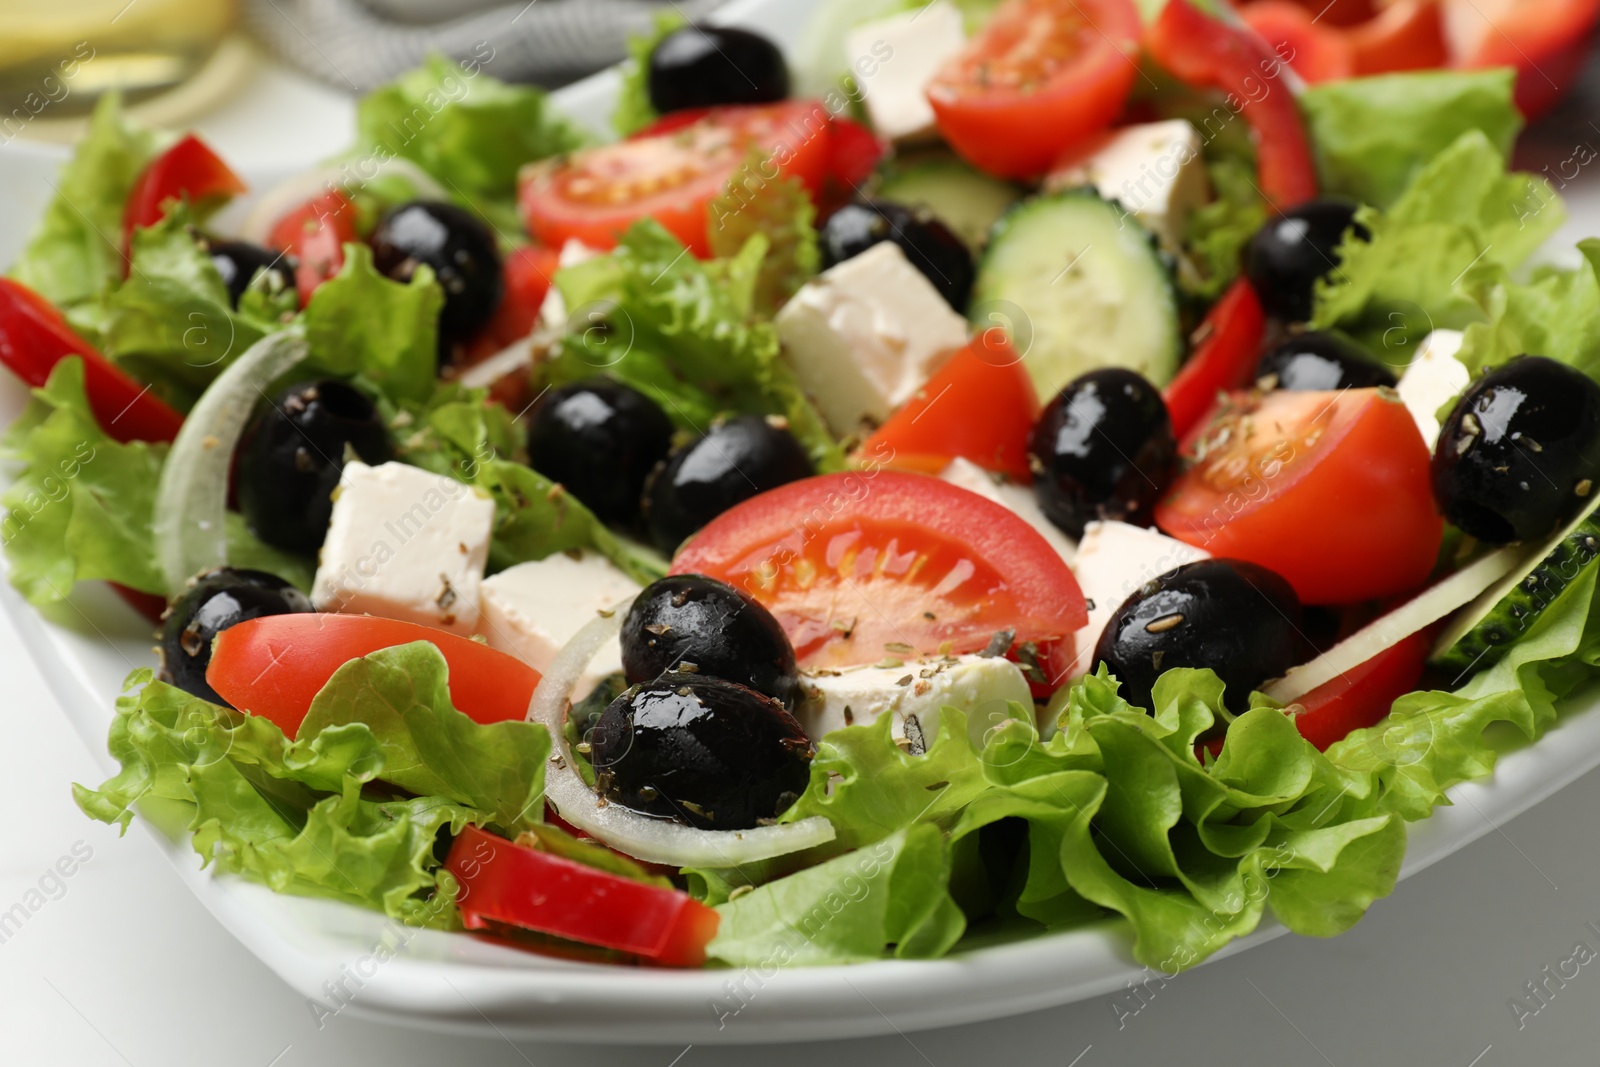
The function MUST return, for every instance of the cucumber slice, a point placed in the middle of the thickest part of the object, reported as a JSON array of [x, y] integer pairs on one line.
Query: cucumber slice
[[1488, 626], [960, 196], [1079, 284]]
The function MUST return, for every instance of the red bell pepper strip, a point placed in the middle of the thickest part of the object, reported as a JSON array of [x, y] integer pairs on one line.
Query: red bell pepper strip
[[1203, 51], [34, 337], [504, 882], [1362, 696], [189, 170], [315, 235], [1227, 347]]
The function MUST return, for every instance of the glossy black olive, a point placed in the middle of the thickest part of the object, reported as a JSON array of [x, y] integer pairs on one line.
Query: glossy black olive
[[929, 245], [709, 66], [600, 439], [1102, 449], [704, 751], [238, 262], [458, 247], [689, 618], [213, 602], [1519, 455], [735, 461], [1240, 620], [1320, 361], [1295, 248], [292, 453]]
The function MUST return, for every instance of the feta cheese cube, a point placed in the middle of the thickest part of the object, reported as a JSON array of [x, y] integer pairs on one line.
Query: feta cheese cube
[[1434, 378], [533, 609], [866, 334], [405, 543], [981, 686], [1114, 560], [1019, 498], [1154, 170], [895, 58]]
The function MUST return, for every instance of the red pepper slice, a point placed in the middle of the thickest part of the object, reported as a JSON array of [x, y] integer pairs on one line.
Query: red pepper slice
[[188, 170], [34, 337], [1227, 348], [504, 882], [315, 235], [1206, 52], [1363, 696]]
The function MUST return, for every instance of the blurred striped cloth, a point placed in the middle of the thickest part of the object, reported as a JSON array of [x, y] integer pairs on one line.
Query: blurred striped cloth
[[358, 45]]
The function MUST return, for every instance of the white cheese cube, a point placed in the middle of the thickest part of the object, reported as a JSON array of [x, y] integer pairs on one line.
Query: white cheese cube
[[1154, 170], [405, 543], [1114, 559], [895, 58], [981, 686], [1434, 378], [1019, 498], [866, 334], [553, 312], [533, 609]]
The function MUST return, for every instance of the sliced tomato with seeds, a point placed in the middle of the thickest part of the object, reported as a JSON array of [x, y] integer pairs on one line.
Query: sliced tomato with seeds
[[1329, 489], [1041, 76], [862, 565], [594, 195]]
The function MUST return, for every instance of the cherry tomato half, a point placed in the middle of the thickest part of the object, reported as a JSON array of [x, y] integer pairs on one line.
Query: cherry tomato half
[[1363, 696], [315, 235]]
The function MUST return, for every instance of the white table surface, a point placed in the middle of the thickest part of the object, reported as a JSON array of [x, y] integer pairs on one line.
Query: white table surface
[[123, 967]]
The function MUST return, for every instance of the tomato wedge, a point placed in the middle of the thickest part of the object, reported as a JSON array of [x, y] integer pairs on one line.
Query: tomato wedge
[[315, 234], [1363, 696], [1317, 52], [595, 194], [1225, 351], [1041, 76], [34, 337], [189, 170], [860, 565], [273, 666], [527, 273], [1206, 52], [980, 406], [1330, 490], [504, 882]]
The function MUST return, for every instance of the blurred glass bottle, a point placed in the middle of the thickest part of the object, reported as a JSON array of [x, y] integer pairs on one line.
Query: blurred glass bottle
[[58, 56]]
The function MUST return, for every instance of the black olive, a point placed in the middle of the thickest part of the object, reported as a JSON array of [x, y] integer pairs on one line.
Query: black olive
[[1519, 455], [1320, 362], [1241, 620], [462, 253], [1102, 449], [710, 66], [239, 261], [689, 618], [929, 245], [704, 751], [292, 453], [735, 461], [1285, 257], [213, 602], [600, 439]]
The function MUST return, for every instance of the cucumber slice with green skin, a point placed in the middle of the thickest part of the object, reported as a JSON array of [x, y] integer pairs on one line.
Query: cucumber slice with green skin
[[963, 198], [1490, 625], [1079, 284]]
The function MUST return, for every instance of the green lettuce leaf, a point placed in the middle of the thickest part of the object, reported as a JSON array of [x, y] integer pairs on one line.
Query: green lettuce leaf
[[776, 211], [633, 111], [1373, 136], [1216, 233], [361, 323], [469, 131], [1555, 314], [81, 507], [311, 816], [1435, 254], [682, 332], [76, 249]]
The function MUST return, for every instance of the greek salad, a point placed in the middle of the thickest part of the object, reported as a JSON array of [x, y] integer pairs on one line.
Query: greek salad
[[1008, 466]]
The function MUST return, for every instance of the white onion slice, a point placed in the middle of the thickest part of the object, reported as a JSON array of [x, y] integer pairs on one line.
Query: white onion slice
[[641, 836], [292, 192], [192, 496]]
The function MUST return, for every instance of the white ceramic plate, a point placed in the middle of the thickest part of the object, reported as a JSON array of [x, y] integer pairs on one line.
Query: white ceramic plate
[[455, 982]]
